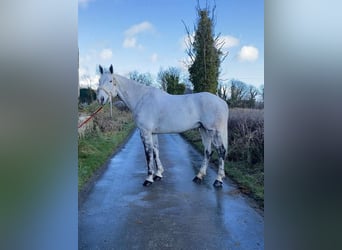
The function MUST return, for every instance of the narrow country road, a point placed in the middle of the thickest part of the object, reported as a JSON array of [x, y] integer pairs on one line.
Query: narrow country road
[[174, 213]]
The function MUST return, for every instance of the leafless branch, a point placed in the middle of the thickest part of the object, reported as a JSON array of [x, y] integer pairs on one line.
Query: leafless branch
[[189, 43]]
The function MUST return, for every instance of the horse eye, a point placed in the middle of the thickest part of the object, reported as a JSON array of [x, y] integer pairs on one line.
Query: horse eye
[[110, 81]]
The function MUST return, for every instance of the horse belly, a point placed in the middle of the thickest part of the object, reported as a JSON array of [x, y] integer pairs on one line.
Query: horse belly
[[176, 122]]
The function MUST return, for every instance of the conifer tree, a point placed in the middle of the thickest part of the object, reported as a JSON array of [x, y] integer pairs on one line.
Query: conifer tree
[[205, 52]]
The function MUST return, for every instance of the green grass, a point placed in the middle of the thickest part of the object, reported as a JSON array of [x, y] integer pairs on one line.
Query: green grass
[[95, 148], [250, 179]]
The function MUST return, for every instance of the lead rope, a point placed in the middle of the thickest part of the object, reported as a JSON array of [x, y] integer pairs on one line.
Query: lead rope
[[91, 116], [111, 107], [111, 99], [109, 93]]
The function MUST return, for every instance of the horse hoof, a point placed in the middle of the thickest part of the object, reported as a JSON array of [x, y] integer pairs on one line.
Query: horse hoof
[[218, 184], [147, 183], [197, 180], [157, 178]]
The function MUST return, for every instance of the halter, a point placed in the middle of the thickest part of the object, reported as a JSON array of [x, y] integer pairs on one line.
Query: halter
[[110, 95]]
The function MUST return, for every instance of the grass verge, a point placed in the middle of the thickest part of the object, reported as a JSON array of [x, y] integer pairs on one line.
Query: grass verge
[[95, 149], [98, 144], [250, 179]]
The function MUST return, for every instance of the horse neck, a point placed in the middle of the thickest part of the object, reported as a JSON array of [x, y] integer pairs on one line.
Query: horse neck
[[129, 91]]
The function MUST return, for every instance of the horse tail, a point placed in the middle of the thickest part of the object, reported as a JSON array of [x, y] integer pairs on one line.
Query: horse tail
[[222, 136], [225, 133]]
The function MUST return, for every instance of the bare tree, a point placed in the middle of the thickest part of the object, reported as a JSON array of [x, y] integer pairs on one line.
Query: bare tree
[[252, 94], [222, 90], [143, 78]]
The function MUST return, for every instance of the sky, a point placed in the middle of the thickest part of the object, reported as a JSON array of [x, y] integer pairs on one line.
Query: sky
[[149, 35]]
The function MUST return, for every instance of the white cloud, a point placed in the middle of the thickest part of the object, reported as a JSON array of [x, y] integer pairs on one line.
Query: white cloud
[[88, 66], [130, 42], [106, 54], [186, 40], [131, 33], [86, 79], [84, 3], [248, 53], [154, 57], [184, 63], [229, 41], [139, 28]]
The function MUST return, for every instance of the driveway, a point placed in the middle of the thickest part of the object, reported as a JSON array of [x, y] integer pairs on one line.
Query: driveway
[[174, 213]]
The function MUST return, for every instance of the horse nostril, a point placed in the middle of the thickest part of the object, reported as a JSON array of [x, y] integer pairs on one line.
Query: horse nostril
[[102, 100]]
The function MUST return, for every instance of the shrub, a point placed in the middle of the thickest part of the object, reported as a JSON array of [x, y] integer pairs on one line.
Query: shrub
[[246, 136], [105, 123]]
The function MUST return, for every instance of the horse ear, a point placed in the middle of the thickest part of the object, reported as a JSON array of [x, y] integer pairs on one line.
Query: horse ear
[[111, 69], [101, 69]]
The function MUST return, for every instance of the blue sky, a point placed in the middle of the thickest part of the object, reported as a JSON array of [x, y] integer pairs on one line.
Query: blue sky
[[148, 35]]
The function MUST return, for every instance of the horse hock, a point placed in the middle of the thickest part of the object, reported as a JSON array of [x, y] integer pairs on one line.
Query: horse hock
[[222, 153]]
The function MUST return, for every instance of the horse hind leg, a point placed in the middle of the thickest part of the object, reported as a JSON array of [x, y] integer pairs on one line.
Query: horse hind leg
[[158, 175], [206, 140], [221, 147]]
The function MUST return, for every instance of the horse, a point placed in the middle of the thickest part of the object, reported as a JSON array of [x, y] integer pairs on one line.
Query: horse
[[157, 112]]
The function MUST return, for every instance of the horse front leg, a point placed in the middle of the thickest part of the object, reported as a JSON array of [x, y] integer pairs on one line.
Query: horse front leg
[[158, 175], [147, 140]]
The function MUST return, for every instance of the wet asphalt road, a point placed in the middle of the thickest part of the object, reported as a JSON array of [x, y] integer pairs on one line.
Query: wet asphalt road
[[174, 213]]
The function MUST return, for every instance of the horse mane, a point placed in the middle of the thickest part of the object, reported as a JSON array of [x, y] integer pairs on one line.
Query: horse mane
[[141, 86], [133, 90]]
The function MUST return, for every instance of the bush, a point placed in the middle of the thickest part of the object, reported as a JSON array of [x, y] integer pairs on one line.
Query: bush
[[105, 123], [246, 136], [87, 95]]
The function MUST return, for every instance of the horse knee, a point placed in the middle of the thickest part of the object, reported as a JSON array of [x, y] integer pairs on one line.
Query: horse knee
[[222, 151], [208, 153]]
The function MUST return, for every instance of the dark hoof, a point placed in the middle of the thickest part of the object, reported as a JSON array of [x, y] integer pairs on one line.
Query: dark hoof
[[157, 178], [147, 183], [218, 184], [197, 180]]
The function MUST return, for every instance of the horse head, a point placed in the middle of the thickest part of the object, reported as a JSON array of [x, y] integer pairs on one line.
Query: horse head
[[107, 85]]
